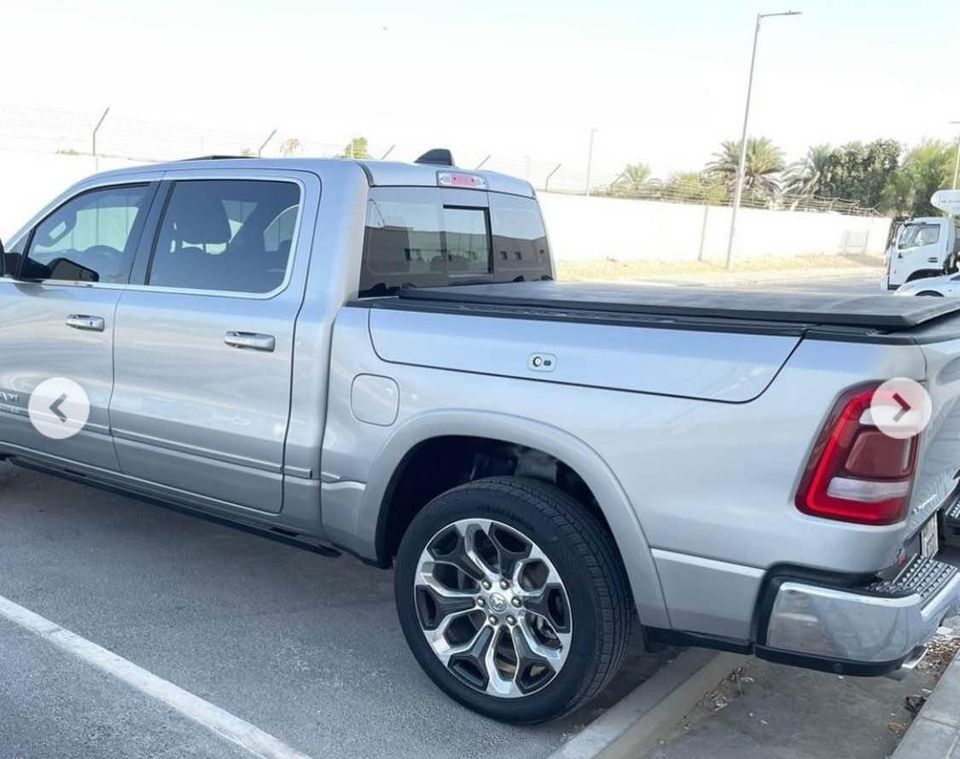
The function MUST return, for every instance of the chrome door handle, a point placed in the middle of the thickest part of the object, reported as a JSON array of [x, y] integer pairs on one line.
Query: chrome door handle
[[86, 323], [251, 341]]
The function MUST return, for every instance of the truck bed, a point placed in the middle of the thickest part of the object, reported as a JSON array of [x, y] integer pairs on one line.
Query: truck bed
[[757, 310]]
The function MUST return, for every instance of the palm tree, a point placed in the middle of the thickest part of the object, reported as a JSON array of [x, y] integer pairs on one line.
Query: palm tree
[[763, 165], [633, 180], [812, 174]]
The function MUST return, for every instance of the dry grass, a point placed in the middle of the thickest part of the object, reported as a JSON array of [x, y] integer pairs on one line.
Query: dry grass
[[626, 271]]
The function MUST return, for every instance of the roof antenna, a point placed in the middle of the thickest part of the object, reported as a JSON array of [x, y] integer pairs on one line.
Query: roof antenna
[[437, 157]]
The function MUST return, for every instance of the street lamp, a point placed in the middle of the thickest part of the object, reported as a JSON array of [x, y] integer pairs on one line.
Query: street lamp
[[956, 165], [741, 168], [590, 161]]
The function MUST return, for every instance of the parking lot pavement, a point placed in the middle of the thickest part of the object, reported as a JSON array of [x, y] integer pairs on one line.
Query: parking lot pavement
[[304, 647], [55, 706]]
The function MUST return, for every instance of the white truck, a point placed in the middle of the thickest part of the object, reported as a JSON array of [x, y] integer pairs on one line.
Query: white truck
[[926, 247]]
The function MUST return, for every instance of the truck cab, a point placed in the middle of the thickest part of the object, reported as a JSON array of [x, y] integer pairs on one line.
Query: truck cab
[[927, 246], [922, 247]]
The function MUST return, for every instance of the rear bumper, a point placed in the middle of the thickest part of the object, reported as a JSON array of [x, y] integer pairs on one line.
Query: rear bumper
[[869, 630]]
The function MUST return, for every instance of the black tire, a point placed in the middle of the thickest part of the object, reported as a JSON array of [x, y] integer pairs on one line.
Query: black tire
[[584, 555], [930, 293]]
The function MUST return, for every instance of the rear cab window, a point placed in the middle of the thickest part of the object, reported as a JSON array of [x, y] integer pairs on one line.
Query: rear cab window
[[432, 237]]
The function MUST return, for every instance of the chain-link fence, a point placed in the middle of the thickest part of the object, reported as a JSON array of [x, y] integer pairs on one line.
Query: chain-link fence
[[121, 137]]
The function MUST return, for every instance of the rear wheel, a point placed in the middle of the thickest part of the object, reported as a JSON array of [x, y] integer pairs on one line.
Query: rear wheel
[[513, 599]]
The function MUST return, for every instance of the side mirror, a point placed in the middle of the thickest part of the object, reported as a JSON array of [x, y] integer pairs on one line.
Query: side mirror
[[9, 263]]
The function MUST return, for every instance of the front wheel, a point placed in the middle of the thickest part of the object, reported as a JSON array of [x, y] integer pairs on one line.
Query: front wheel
[[513, 599]]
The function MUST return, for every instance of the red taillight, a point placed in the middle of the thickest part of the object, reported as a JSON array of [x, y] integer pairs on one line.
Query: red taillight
[[856, 473]]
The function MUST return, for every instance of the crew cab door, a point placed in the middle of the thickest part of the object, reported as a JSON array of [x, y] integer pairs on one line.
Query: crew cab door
[[205, 338], [57, 321]]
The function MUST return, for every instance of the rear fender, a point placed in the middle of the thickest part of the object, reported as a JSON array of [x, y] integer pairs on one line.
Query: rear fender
[[356, 527]]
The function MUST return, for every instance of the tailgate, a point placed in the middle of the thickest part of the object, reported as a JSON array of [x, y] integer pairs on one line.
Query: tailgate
[[940, 442], [709, 365]]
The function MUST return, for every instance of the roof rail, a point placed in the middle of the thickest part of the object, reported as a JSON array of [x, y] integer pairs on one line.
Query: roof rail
[[216, 157], [437, 157]]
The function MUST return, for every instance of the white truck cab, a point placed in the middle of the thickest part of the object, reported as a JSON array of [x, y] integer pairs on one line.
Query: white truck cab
[[926, 247]]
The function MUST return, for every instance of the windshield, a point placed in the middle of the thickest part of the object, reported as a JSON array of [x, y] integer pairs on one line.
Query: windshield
[[915, 235]]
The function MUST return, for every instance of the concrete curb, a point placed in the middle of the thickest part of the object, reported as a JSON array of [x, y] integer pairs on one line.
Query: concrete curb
[[935, 733], [633, 726]]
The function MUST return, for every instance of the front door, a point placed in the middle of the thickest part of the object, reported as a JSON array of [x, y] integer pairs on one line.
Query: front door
[[204, 344], [57, 323]]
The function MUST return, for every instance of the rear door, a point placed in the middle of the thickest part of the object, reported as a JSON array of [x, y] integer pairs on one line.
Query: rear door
[[205, 337]]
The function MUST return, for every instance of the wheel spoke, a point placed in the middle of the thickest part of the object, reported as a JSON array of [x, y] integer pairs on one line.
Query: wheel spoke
[[471, 658], [460, 555], [469, 535], [497, 684], [436, 603], [511, 549], [550, 603], [443, 648]]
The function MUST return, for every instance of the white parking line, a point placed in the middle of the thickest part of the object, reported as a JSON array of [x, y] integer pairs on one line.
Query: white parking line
[[224, 724]]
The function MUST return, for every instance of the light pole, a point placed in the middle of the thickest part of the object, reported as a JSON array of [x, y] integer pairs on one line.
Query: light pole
[[741, 168], [956, 165], [590, 161]]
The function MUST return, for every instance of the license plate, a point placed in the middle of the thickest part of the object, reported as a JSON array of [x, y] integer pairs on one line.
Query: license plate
[[930, 539]]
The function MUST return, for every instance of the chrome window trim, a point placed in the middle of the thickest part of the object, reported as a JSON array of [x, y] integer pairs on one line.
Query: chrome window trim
[[168, 175]]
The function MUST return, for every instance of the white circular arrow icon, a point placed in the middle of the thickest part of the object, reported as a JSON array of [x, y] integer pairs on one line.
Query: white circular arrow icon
[[59, 408]]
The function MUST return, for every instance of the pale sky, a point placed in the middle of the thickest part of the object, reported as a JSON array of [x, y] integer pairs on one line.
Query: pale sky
[[662, 82]]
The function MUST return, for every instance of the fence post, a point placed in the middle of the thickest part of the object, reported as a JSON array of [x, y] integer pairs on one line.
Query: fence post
[[546, 182], [703, 232]]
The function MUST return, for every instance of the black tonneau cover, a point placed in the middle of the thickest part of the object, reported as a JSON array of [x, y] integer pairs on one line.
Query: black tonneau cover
[[881, 312]]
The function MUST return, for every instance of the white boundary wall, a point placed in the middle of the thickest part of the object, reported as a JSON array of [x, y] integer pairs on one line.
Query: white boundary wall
[[583, 229], [580, 228]]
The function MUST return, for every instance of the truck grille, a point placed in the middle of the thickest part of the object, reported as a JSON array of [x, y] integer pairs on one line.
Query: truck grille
[[925, 577]]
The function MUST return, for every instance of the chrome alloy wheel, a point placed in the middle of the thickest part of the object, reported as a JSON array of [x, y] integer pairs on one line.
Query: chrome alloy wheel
[[493, 608]]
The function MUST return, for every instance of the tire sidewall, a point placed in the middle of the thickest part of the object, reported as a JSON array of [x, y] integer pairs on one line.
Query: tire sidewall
[[574, 677]]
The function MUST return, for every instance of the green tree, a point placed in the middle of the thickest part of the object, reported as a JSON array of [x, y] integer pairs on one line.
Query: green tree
[[290, 146], [695, 187], [761, 171], [862, 172], [636, 179], [926, 169], [356, 148]]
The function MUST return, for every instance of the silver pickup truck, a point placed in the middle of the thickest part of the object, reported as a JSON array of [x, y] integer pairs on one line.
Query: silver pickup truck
[[374, 357]]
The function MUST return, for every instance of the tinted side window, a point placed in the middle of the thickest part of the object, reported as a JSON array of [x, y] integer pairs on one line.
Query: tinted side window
[[519, 239], [226, 235], [89, 238]]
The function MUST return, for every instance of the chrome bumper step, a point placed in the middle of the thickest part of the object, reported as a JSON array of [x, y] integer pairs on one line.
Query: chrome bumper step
[[925, 577], [951, 525]]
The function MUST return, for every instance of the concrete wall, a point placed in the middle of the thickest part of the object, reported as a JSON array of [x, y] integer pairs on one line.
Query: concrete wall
[[583, 228], [580, 228]]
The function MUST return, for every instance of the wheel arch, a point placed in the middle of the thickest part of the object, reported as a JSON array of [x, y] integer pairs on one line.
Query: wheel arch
[[366, 531]]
